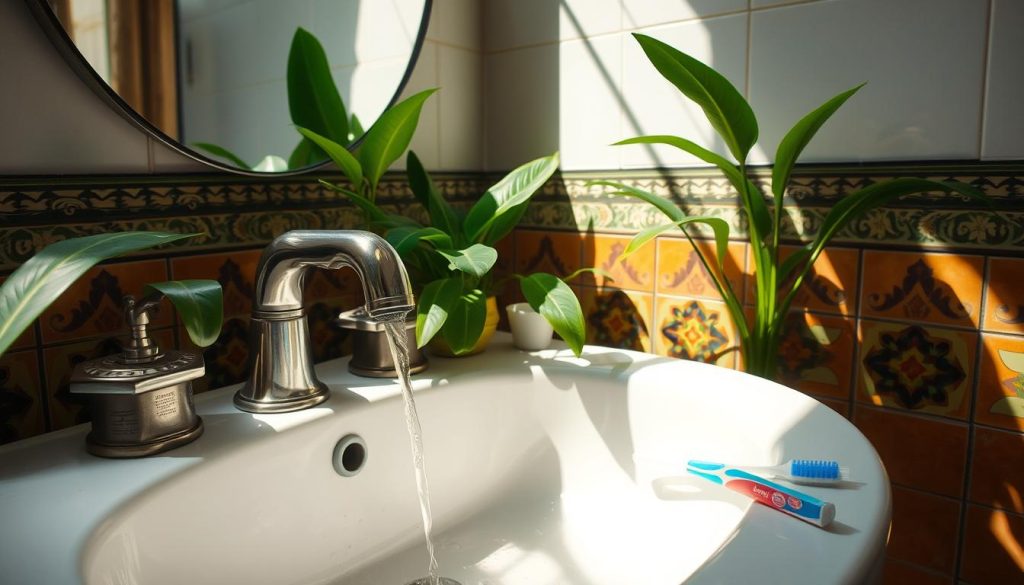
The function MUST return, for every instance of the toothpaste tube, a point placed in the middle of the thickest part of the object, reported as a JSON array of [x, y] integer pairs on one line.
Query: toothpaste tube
[[782, 498]]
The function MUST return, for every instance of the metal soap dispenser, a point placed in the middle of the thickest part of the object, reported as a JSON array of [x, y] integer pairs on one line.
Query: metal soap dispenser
[[141, 399]]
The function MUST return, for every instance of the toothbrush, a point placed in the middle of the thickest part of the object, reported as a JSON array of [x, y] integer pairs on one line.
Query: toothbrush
[[803, 471], [782, 498]]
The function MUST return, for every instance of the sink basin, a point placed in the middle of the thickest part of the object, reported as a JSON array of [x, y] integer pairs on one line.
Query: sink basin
[[543, 469]]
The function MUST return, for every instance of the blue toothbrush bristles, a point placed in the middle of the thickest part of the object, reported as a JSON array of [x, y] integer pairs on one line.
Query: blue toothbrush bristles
[[815, 470]]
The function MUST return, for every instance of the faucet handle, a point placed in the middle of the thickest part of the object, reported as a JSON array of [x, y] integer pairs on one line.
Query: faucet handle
[[141, 348]]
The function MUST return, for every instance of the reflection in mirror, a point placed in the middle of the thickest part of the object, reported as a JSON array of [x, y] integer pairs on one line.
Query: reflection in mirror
[[218, 77]]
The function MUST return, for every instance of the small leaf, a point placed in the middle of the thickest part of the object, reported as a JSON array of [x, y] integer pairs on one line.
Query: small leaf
[[339, 154], [222, 153], [663, 205], [719, 226], [797, 139], [390, 135], [433, 307], [729, 114], [355, 128], [313, 98], [305, 154], [486, 221], [200, 305], [476, 260], [556, 302], [42, 278], [404, 239], [442, 215], [465, 322]]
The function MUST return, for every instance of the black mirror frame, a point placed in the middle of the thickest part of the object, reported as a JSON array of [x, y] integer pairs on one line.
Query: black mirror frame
[[65, 45]]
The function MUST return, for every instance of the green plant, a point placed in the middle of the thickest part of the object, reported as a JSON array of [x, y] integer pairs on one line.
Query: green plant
[[43, 277], [776, 282], [313, 102]]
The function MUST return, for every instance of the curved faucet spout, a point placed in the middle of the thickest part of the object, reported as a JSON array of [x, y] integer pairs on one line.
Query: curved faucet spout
[[282, 377]]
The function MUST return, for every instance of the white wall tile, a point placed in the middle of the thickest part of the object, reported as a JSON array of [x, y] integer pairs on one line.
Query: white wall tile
[[518, 23], [1004, 104], [426, 141], [457, 23], [521, 105], [922, 59], [590, 98], [655, 106], [588, 18], [461, 122], [755, 4], [643, 13]]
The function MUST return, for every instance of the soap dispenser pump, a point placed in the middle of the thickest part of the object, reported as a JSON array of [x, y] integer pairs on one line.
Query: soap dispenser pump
[[141, 399]]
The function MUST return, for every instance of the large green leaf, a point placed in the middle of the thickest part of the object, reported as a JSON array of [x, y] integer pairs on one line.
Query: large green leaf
[[465, 322], [556, 302], [729, 114], [222, 153], [476, 260], [339, 154], [43, 277], [752, 199], [406, 238], [304, 154], [797, 139], [200, 305], [718, 225], [433, 307], [390, 135], [313, 98], [509, 196], [442, 215]]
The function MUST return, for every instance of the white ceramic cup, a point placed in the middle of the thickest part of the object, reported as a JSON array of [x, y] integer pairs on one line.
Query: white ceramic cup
[[530, 331]]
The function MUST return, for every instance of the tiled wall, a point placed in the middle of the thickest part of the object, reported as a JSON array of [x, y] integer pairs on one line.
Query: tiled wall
[[912, 327], [942, 77]]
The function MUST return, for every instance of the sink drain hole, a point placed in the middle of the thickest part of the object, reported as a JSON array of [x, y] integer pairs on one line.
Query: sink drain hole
[[349, 455]]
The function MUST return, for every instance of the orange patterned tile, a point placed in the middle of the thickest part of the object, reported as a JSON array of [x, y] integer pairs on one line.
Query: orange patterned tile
[[997, 476], [236, 272], [227, 360], [831, 286], [22, 413], [680, 271], [506, 248], [925, 369], [633, 273], [1004, 299], [94, 305], [694, 329], [555, 252], [816, 353], [617, 318], [900, 573], [924, 529], [929, 288], [918, 452], [993, 547], [67, 409], [1000, 399]]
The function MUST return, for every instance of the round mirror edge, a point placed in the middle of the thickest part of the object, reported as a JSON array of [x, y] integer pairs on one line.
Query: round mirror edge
[[65, 45]]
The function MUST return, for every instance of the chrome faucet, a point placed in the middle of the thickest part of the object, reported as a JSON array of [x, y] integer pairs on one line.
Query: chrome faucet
[[282, 377]]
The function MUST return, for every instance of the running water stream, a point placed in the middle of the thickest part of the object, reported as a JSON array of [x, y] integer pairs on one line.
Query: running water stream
[[398, 342]]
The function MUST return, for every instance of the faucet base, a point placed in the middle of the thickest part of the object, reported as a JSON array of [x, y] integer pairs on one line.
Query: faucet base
[[278, 406]]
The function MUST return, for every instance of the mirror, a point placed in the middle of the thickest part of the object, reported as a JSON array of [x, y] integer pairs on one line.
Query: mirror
[[216, 79]]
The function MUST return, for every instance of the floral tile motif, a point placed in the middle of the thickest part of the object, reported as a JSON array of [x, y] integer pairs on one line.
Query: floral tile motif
[[555, 252], [1004, 299], [831, 286], [694, 329], [997, 476], [236, 272], [916, 368], [21, 408], [992, 549], [930, 288], [66, 409], [94, 304], [816, 353], [616, 318], [925, 529], [925, 453], [1000, 399], [606, 253], [680, 271]]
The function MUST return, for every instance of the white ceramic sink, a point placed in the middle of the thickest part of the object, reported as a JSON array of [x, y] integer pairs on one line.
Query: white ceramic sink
[[534, 474]]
